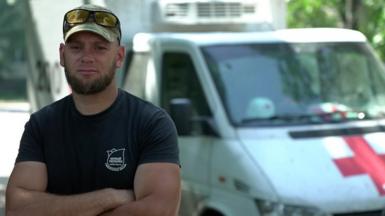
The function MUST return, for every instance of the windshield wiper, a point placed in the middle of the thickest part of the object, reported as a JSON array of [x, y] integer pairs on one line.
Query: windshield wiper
[[330, 117], [277, 118]]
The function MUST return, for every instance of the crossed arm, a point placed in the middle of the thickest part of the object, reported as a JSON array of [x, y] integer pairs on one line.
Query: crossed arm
[[156, 192]]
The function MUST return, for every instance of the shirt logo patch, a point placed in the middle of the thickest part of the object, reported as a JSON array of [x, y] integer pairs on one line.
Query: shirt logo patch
[[115, 159]]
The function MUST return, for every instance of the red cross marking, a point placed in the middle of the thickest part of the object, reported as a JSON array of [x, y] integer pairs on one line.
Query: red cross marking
[[364, 161]]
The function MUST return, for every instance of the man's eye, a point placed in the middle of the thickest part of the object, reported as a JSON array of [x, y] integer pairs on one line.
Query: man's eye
[[75, 47], [101, 47]]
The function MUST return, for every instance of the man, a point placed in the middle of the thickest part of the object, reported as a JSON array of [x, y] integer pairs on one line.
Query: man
[[100, 150]]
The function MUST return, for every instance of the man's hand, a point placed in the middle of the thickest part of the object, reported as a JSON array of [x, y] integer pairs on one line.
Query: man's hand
[[157, 192], [122, 196]]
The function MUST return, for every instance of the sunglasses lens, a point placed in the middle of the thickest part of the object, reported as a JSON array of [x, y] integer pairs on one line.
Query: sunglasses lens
[[77, 16], [105, 19]]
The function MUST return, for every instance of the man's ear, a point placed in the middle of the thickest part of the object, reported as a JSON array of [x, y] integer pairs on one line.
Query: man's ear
[[61, 53], [120, 56]]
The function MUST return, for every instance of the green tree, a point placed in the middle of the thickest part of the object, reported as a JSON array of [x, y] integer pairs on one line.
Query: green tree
[[12, 43], [12, 51], [367, 16]]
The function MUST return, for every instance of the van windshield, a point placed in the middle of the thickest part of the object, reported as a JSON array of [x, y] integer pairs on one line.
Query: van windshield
[[301, 83]]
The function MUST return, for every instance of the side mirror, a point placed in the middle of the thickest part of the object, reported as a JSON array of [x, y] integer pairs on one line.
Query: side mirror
[[181, 113]]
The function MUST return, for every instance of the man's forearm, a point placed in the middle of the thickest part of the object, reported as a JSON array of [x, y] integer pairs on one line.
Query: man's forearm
[[148, 206], [157, 189], [26, 202]]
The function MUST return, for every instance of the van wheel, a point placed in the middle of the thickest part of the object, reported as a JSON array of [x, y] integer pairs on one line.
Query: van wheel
[[210, 212]]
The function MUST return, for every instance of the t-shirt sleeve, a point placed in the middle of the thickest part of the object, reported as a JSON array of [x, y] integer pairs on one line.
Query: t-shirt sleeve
[[30, 148], [160, 143]]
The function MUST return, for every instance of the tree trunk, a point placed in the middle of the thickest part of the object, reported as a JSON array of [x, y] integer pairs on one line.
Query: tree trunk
[[352, 13]]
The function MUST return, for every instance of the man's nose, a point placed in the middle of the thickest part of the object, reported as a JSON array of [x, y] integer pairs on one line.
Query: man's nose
[[87, 55]]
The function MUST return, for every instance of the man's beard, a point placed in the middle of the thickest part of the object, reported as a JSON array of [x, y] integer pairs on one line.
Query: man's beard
[[92, 87]]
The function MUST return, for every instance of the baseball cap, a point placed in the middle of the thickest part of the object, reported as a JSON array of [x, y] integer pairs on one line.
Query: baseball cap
[[92, 18]]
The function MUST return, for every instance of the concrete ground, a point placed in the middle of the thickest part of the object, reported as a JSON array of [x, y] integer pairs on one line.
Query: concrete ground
[[13, 117]]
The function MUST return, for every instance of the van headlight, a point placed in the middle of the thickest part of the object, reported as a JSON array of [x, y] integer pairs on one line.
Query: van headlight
[[268, 208]]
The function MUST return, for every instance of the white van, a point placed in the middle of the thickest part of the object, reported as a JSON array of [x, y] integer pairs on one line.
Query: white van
[[286, 122]]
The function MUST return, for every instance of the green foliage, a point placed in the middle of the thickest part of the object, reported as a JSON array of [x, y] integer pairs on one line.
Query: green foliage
[[372, 25], [12, 40], [311, 13], [12, 52], [367, 16]]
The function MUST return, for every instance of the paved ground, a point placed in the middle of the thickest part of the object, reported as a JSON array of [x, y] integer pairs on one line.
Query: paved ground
[[12, 119]]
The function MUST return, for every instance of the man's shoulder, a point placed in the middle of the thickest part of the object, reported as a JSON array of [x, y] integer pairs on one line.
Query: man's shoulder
[[143, 109], [139, 103], [51, 110]]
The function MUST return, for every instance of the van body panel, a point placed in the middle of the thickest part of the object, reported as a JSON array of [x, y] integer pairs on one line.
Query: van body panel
[[308, 170], [299, 146]]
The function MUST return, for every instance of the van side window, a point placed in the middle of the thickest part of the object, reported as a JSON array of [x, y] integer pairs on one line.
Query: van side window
[[180, 80]]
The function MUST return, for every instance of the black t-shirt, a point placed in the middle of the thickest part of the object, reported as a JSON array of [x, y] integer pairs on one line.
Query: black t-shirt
[[86, 153]]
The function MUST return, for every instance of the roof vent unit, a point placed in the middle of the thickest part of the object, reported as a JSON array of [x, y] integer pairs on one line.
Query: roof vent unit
[[208, 12]]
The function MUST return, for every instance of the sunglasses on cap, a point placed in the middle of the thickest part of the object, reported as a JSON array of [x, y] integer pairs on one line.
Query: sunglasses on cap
[[79, 16]]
